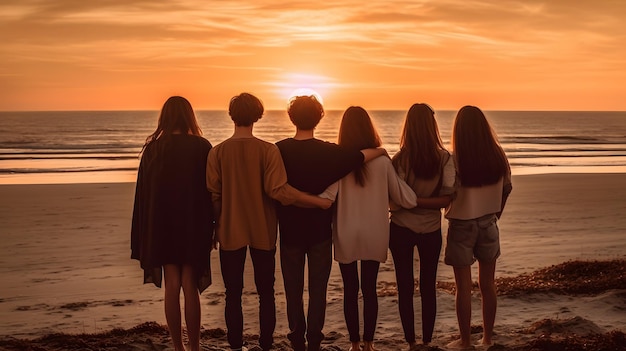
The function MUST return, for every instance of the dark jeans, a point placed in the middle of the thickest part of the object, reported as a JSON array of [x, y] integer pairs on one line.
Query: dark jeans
[[292, 259], [369, 275], [401, 243], [232, 265]]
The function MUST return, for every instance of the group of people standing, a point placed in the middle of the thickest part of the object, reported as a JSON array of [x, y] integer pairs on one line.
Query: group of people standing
[[191, 197]]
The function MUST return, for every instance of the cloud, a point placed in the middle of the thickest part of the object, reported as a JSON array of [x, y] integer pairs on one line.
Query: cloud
[[241, 24], [373, 43]]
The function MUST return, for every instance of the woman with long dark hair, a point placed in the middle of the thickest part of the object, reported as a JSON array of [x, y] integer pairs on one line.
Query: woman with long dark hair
[[361, 223], [483, 186], [172, 227], [428, 168]]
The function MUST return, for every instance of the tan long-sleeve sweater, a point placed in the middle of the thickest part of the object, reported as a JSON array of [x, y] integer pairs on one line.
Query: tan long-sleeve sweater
[[245, 175]]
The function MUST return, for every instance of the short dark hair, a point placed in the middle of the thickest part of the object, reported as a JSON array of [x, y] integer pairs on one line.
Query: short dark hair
[[245, 109], [305, 112]]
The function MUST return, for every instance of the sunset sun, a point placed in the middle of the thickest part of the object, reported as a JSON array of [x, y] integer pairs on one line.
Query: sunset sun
[[303, 84], [306, 92]]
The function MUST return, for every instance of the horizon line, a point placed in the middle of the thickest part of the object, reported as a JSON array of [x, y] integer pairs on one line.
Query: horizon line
[[284, 110]]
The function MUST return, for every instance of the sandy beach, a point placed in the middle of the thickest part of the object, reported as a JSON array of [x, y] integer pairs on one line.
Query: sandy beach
[[65, 268]]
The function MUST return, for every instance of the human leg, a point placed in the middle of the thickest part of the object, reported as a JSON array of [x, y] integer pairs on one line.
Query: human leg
[[192, 306], [486, 278], [350, 276], [369, 277], [319, 263], [292, 259], [487, 251], [232, 266], [429, 248], [264, 262], [463, 303], [402, 249], [172, 273], [459, 253]]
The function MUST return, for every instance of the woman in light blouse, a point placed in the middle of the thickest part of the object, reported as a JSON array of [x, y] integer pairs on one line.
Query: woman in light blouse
[[361, 223], [484, 184]]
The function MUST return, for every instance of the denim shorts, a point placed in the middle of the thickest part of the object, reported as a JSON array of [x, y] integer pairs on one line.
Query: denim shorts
[[471, 240]]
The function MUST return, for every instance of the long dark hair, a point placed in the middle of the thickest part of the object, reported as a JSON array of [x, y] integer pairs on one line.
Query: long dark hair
[[177, 116], [480, 160], [358, 132], [420, 142]]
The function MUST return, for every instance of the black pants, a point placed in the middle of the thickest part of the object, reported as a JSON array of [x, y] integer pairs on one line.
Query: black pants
[[292, 259], [232, 265], [401, 243], [369, 275]]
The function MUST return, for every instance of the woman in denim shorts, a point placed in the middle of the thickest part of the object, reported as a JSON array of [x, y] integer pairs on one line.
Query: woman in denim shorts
[[483, 185]]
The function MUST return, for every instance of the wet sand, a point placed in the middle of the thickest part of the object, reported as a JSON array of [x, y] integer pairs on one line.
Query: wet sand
[[66, 269]]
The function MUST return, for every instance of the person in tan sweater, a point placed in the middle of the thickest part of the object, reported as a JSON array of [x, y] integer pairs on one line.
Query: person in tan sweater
[[245, 176], [306, 233]]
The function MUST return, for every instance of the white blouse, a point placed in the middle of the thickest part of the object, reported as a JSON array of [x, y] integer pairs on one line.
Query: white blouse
[[361, 217], [475, 202]]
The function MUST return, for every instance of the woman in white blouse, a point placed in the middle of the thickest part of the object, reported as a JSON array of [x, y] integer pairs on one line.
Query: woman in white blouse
[[483, 185], [361, 223]]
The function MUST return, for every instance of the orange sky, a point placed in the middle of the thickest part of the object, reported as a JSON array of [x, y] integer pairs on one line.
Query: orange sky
[[133, 54]]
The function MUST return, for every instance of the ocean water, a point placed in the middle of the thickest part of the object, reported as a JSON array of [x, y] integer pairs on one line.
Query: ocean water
[[66, 265], [103, 146]]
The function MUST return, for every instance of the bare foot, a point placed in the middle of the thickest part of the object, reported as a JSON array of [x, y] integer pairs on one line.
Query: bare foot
[[484, 342], [459, 345], [356, 346], [369, 346]]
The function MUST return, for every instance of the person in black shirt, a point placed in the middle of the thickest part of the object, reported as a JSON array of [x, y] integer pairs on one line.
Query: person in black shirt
[[305, 233]]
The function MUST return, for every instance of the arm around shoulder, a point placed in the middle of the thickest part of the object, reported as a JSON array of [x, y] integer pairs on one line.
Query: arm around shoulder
[[370, 154]]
